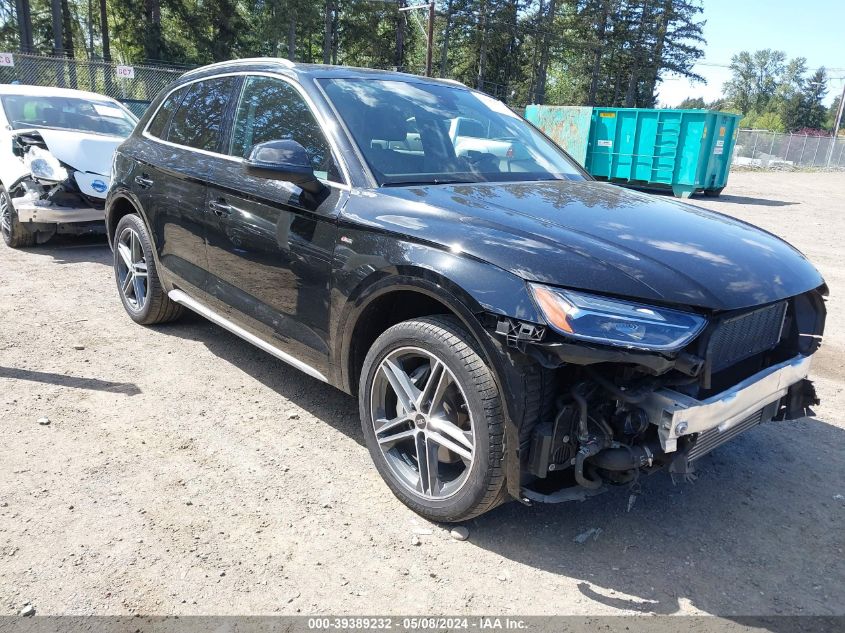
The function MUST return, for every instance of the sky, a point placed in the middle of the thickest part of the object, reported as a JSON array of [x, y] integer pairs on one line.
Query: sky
[[800, 28]]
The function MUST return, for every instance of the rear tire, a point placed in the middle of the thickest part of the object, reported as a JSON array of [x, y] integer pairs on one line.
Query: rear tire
[[138, 283], [442, 456], [14, 233], [713, 193]]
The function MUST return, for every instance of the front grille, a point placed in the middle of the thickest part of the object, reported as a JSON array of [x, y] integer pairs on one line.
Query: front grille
[[745, 335], [708, 440]]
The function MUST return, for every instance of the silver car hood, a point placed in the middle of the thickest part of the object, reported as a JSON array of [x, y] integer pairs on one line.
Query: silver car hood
[[84, 151]]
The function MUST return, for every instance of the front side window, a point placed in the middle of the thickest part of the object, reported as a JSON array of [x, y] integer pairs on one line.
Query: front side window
[[68, 113], [424, 133], [198, 121], [270, 109]]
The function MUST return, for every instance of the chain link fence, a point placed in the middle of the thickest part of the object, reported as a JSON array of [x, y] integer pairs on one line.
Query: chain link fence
[[772, 150], [135, 86]]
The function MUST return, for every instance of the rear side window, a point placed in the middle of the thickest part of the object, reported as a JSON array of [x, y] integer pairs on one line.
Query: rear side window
[[198, 121], [158, 125], [272, 110]]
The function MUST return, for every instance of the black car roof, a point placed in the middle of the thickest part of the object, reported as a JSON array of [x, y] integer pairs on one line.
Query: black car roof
[[302, 71]]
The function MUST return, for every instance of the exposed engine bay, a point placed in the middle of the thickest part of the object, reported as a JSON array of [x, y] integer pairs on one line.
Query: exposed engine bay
[[619, 414]]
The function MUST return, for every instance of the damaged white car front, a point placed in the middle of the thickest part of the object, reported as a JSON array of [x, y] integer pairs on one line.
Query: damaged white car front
[[55, 161]]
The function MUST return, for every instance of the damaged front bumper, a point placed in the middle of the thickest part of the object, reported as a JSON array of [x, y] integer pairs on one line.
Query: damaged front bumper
[[677, 415], [47, 212]]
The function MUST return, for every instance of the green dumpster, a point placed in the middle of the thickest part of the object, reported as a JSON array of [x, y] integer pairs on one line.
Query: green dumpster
[[684, 151]]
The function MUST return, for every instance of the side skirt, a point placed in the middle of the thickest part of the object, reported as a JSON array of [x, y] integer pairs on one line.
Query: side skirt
[[180, 297]]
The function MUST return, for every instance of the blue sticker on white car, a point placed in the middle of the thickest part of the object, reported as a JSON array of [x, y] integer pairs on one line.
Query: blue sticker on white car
[[99, 186]]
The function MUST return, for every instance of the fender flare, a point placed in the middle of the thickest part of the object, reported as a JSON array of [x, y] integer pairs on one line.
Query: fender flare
[[132, 199]]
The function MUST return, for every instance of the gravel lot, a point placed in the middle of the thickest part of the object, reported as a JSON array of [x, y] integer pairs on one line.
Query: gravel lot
[[186, 472]]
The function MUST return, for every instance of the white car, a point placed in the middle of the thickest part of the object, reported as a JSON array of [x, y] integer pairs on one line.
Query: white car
[[56, 149]]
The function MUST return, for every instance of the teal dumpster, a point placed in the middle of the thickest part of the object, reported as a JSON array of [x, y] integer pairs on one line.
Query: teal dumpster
[[684, 151], [568, 126]]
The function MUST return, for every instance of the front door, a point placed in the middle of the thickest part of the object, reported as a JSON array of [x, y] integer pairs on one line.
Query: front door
[[270, 244]]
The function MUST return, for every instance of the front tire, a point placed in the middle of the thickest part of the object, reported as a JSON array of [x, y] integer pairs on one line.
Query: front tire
[[138, 283], [14, 233], [432, 419]]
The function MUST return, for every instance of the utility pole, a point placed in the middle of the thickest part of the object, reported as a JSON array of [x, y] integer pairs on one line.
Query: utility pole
[[837, 123], [400, 40], [429, 51], [329, 29]]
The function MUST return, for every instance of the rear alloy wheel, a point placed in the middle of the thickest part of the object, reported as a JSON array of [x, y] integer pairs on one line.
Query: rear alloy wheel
[[140, 289], [14, 234], [432, 419], [131, 268]]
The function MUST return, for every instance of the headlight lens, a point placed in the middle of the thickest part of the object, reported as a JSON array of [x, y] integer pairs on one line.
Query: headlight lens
[[44, 166], [613, 322]]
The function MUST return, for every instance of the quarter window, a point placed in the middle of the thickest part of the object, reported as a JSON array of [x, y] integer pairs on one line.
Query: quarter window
[[158, 125], [198, 121], [270, 110]]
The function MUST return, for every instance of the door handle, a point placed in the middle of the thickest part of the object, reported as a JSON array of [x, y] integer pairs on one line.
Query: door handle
[[220, 208], [143, 182]]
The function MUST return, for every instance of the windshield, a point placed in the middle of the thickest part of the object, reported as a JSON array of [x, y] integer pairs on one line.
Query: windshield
[[425, 133], [70, 113]]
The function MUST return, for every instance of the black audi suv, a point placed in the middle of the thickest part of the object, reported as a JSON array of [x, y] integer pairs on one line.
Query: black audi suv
[[511, 328]]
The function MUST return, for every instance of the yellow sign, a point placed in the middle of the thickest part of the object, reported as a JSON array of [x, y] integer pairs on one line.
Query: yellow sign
[[607, 115], [722, 131]]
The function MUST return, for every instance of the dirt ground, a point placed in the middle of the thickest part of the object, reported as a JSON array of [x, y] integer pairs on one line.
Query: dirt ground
[[185, 472]]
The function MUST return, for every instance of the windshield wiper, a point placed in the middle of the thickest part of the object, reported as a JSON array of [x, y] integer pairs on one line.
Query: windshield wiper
[[430, 181]]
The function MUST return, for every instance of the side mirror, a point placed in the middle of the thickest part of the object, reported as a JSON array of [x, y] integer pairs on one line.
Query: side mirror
[[283, 160]]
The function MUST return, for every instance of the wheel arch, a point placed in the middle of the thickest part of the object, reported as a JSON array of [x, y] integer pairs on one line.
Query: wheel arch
[[120, 204], [391, 300], [424, 292]]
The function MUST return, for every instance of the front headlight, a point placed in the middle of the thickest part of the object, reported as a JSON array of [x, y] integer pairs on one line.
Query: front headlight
[[44, 166], [613, 322]]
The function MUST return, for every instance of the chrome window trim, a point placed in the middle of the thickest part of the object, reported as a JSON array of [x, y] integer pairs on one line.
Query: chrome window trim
[[321, 121]]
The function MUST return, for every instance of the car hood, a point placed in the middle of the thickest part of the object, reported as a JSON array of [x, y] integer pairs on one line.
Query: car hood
[[602, 238], [84, 151]]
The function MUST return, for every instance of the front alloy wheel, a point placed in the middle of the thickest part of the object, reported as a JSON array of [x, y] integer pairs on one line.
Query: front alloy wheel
[[422, 423], [432, 419]]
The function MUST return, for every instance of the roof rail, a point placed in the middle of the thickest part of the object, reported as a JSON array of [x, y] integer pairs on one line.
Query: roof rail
[[246, 60]]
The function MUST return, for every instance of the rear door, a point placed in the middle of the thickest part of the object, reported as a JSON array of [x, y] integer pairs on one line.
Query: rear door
[[183, 137], [270, 244]]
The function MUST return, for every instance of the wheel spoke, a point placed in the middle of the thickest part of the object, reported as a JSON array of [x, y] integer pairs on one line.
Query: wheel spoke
[[434, 387], [405, 390], [127, 283], [125, 255], [133, 247], [139, 286], [383, 425], [428, 465], [438, 434], [387, 442]]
